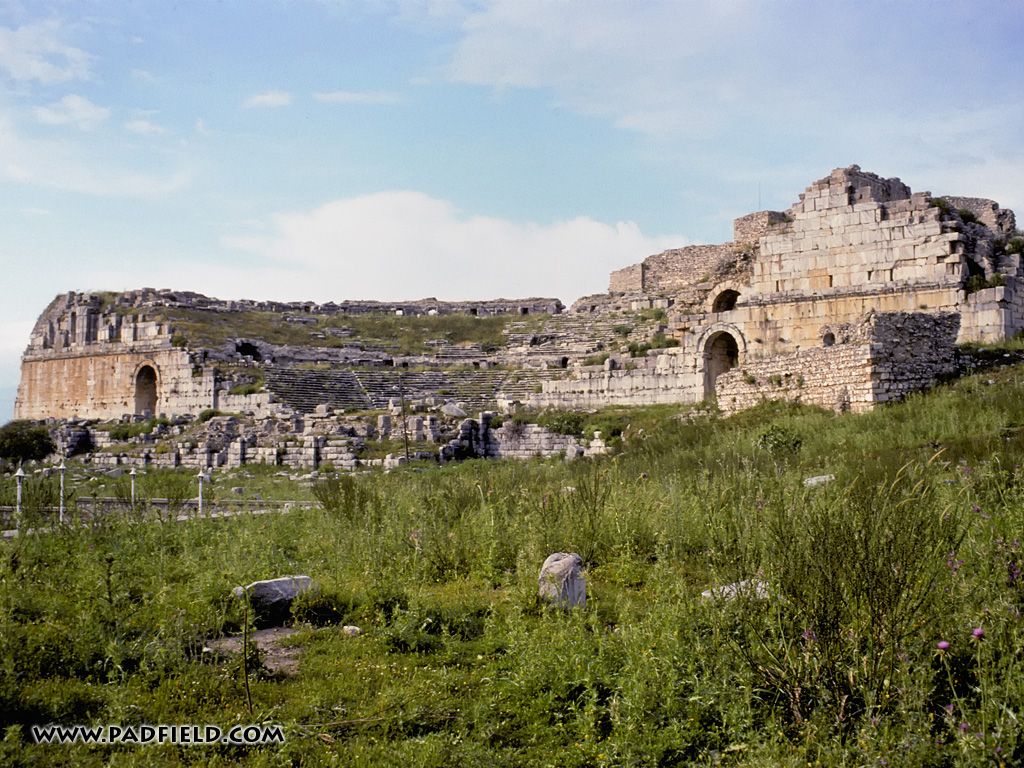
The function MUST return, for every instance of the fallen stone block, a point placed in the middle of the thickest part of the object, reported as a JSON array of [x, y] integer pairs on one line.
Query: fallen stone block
[[562, 582], [272, 599]]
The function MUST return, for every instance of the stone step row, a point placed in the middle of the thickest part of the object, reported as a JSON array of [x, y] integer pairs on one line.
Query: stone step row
[[305, 389]]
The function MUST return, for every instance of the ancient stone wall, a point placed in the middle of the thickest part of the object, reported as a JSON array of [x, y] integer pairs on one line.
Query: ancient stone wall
[[671, 377], [882, 357], [747, 230], [685, 266], [148, 297], [1000, 220], [628, 280], [834, 246], [87, 359]]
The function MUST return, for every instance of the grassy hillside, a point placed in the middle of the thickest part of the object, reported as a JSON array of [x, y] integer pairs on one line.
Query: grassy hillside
[[892, 635]]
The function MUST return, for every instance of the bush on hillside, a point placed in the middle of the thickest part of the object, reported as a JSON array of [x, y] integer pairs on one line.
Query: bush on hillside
[[21, 440]]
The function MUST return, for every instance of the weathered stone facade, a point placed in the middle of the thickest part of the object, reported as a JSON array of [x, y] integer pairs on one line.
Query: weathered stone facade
[[85, 360], [854, 246], [836, 292]]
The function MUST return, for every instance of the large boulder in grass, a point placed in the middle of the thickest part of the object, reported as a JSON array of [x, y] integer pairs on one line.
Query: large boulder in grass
[[562, 582], [272, 599]]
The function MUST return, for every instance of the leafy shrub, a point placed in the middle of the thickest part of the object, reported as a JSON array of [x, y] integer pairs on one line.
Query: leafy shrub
[[977, 283], [658, 341], [967, 216], [126, 431], [208, 414], [1015, 245], [564, 422], [21, 440], [779, 440], [252, 388]]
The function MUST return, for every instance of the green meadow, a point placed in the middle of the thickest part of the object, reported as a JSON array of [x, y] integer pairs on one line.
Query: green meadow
[[891, 633]]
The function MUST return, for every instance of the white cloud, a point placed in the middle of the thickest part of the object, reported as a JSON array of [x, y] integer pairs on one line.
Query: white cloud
[[350, 97], [69, 165], [402, 245], [670, 69], [144, 127], [73, 110], [269, 99], [34, 52]]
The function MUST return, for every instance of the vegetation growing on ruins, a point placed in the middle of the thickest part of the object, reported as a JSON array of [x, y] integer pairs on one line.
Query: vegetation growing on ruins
[[892, 633], [405, 334]]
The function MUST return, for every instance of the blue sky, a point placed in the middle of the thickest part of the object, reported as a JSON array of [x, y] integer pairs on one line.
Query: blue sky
[[335, 149]]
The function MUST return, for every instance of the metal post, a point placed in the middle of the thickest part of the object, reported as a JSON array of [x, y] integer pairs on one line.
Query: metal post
[[132, 475], [405, 432], [62, 469], [19, 477], [201, 477]]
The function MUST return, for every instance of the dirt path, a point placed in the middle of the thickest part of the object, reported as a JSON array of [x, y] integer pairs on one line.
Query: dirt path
[[278, 658]]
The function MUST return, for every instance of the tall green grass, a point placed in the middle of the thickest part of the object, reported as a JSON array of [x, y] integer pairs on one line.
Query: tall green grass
[[915, 542]]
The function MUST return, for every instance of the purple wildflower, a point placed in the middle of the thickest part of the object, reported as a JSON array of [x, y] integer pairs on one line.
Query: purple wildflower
[[944, 646], [978, 633]]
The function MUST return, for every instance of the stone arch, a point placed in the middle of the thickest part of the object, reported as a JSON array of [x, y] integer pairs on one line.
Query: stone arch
[[723, 297], [828, 339], [725, 300], [146, 384], [721, 347]]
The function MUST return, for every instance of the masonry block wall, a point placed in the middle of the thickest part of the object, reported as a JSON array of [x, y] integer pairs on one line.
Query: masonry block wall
[[85, 359], [881, 358], [855, 232], [747, 230]]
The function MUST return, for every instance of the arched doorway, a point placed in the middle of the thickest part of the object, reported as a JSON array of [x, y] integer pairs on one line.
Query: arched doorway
[[725, 301], [145, 390], [721, 353], [248, 349]]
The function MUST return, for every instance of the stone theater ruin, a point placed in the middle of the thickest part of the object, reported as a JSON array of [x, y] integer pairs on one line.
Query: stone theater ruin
[[856, 295]]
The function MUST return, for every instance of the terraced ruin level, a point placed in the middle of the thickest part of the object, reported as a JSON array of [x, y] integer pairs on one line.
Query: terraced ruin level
[[854, 296]]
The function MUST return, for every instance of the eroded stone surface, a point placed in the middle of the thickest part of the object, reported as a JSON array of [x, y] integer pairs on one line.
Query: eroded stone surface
[[562, 582]]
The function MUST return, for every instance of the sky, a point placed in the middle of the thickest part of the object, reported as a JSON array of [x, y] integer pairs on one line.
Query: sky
[[335, 150]]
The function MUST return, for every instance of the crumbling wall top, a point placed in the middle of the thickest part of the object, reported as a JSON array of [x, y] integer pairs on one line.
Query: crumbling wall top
[[849, 186]]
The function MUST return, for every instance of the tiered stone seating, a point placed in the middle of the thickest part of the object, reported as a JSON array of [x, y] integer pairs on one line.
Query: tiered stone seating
[[304, 389]]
